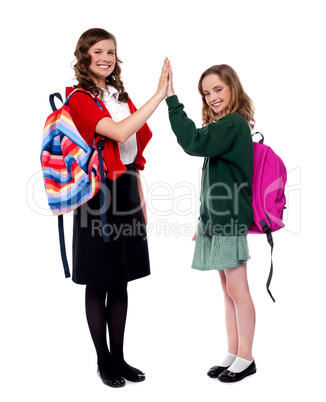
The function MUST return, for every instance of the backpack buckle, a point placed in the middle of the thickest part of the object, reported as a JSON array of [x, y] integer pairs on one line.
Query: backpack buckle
[[100, 144], [264, 226]]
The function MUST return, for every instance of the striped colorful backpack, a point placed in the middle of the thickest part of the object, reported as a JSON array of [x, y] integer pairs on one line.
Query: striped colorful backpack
[[73, 171]]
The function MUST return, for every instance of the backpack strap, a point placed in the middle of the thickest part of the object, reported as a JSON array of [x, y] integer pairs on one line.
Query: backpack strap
[[63, 247], [104, 222], [261, 141], [51, 99], [268, 230]]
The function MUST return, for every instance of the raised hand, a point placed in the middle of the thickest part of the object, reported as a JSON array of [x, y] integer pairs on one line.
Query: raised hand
[[121, 131], [170, 90], [163, 81]]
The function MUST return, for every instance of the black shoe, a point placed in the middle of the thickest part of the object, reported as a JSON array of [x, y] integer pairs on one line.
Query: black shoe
[[129, 373], [116, 382], [215, 371], [229, 376], [133, 375]]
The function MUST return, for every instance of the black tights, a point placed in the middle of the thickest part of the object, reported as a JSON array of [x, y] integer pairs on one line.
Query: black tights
[[108, 306]]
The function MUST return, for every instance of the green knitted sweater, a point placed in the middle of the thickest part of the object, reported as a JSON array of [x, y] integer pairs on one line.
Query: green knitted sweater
[[226, 193]]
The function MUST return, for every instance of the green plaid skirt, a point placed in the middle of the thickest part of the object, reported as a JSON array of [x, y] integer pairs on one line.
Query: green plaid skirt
[[219, 252]]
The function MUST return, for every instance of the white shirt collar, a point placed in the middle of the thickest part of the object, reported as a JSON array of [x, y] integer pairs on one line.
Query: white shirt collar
[[110, 92]]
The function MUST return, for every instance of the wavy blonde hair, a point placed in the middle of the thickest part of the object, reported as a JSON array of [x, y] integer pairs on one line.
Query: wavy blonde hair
[[240, 101], [84, 76]]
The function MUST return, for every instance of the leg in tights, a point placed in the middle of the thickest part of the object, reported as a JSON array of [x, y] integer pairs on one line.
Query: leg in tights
[[108, 306], [116, 310], [117, 306], [96, 318]]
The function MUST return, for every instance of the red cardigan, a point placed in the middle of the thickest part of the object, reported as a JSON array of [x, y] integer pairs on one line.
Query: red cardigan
[[86, 114]]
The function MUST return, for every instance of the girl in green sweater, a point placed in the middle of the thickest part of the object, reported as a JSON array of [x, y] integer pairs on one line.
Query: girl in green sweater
[[226, 211]]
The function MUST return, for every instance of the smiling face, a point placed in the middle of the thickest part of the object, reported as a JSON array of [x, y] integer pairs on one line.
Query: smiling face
[[217, 94], [103, 60]]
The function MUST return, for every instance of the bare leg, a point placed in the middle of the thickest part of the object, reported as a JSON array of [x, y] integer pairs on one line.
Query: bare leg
[[238, 289], [230, 318]]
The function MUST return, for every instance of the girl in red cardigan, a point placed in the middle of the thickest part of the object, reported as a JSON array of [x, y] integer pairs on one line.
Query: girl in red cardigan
[[106, 268]]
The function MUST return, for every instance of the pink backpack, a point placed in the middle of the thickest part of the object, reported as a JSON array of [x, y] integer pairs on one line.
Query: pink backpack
[[268, 198]]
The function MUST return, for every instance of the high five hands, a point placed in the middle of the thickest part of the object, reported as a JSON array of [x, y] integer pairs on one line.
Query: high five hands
[[165, 85]]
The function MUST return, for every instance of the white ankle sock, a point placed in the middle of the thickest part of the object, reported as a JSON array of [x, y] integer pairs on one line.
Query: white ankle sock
[[228, 360], [239, 365]]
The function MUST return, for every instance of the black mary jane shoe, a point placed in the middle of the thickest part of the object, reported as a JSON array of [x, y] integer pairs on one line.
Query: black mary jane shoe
[[116, 382], [134, 377], [130, 373], [215, 371], [229, 376]]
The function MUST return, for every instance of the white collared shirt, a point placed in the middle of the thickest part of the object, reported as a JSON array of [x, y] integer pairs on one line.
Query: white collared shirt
[[119, 111]]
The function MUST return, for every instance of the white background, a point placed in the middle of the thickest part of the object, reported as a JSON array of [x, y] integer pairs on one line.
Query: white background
[[175, 327]]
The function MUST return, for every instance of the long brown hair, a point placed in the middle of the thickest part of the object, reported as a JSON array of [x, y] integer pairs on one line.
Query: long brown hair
[[240, 101], [84, 76]]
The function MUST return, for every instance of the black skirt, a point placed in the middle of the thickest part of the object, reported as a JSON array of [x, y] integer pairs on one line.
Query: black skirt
[[125, 257]]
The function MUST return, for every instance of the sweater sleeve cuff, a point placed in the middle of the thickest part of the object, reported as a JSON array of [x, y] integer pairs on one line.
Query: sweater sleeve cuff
[[172, 101]]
